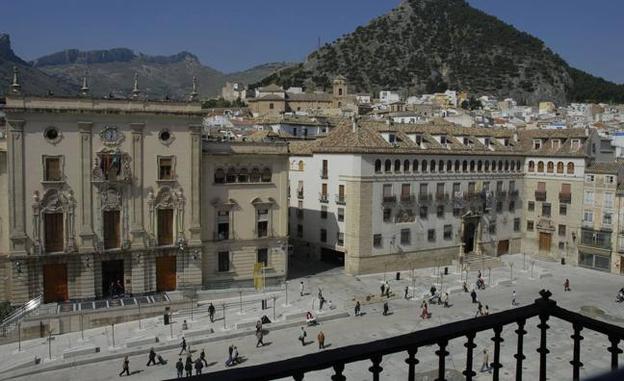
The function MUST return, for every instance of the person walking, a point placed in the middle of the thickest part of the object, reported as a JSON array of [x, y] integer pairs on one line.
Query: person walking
[[485, 367], [383, 289], [479, 310], [465, 287], [425, 310], [387, 290], [406, 291], [514, 296], [199, 365], [321, 340], [180, 368], [385, 308], [566, 285], [202, 357], [302, 336], [211, 312], [152, 357], [301, 287], [321, 302], [357, 308], [487, 310], [259, 337], [473, 295], [183, 346], [259, 325], [125, 367], [189, 366], [445, 299]]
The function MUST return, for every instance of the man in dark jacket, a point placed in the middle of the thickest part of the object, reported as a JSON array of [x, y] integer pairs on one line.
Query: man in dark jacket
[[180, 368], [152, 357]]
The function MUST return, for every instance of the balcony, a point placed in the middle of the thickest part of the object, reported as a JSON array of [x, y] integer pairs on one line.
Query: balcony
[[221, 236], [407, 198], [442, 197], [324, 174], [514, 193], [341, 199], [596, 238], [425, 198], [389, 199], [565, 198], [540, 195], [501, 194], [501, 326], [324, 198], [300, 194]]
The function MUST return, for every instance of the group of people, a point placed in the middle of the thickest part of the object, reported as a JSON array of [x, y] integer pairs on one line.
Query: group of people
[[116, 289]]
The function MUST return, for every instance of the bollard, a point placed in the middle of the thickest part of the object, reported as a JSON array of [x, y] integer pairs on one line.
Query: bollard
[[240, 301], [19, 336], [223, 306], [82, 325], [113, 327], [274, 308]]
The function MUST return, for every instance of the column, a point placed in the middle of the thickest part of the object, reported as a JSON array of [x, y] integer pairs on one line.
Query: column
[[195, 204], [87, 237], [17, 187], [137, 227]]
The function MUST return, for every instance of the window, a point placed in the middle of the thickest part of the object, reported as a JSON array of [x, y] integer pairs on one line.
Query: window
[[472, 187], [433, 166], [300, 231], [512, 206], [589, 178], [588, 216], [499, 207], [562, 230], [263, 223], [424, 166], [424, 189], [561, 245], [397, 166], [52, 135], [529, 225], [266, 175], [300, 190], [271, 106], [512, 186], [516, 224], [255, 174], [377, 242], [165, 227], [387, 166], [53, 232], [556, 144], [323, 212], [439, 191], [415, 166], [550, 167], [448, 232], [608, 200], [607, 218], [563, 209], [406, 166], [219, 176], [540, 166], [52, 169], [589, 197], [340, 214], [340, 239], [406, 191], [546, 209], [570, 168], [392, 138], [431, 235], [111, 225], [324, 169], [423, 212], [499, 186], [224, 261], [243, 175], [387, 214], [609, 179], [263, 257], [456, 212], [165, 168], [492, 228], [440, 212], [377, 166], [531, 206], [560, 167], [531, 166], [323, 235], [387, 192], [406, 237], [537, 144], [456, 188]]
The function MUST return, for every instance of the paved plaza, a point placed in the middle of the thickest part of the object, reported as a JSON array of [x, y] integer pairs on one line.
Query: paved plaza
[[593, 293]]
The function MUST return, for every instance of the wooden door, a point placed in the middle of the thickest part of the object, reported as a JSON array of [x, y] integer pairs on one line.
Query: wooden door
[[53, 232], [55, 283], [503, 247], [166, 273], [111, 229], [165, 227], [544, 241]]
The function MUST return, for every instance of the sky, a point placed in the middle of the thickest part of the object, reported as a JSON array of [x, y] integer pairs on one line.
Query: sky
[[236, 34]]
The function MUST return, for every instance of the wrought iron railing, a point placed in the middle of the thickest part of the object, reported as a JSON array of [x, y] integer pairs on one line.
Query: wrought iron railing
[[543, 308]]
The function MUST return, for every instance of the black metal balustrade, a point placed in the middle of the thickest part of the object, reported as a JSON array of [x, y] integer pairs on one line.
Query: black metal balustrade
[[543, 308]]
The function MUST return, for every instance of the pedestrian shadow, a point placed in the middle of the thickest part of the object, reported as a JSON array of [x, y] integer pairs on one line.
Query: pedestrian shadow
[[362, 314], [308, 342], [211, 364], [389, 313], [327, 346], [267, 343], [136, 372]]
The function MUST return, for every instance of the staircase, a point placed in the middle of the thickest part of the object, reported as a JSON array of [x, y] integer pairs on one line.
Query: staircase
[[11, 321], [474, 262]]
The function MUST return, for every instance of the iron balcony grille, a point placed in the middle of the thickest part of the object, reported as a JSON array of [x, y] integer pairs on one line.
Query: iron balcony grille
[[540, 195]]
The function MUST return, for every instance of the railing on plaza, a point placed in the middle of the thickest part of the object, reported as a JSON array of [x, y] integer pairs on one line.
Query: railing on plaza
[[543, 308], [11, 321]]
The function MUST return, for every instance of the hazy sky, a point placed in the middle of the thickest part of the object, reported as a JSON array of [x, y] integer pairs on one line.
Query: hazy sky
[[236, 34]]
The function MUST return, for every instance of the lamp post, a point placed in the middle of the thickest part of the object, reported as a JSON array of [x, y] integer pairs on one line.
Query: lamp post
[[511, 271], [286, 289], [524, 261], [240, 301]]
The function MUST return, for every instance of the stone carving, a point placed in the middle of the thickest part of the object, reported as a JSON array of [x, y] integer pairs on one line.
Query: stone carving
[[55, 201], [405, 215], [111, 200], [111, 136], [111, 166]]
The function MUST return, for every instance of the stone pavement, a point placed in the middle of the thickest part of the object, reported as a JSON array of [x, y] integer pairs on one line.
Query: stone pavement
[[592, 293]]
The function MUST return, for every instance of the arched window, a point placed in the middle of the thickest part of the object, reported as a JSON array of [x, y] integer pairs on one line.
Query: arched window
[[406, 166], [231, 175], [487, 166], [449, 166], [377, 166], [465, 166], [387, 166], [506, 165], [441, 166], [550, 167], [300, 165], [540, 166], [457, 165], [570, 168], [531, 166], [479, 166], [472, 166], [266, 175], [513, 165], [433, 166], [219, 176], [500, 165], [493, 165], [518, 168], [255, 175], [415, 166], [560, 167], [424, 166], [397, 165], [243, 175]]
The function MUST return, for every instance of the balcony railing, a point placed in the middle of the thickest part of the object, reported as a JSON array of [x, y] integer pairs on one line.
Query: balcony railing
[[341, 199], [515, 320], [324, 174], [323, 197], [565, 197], [424, 198], [514, 193], [501, 194], [389, 199], [407, 198], [300, 194], [540, 195], [442, 197]]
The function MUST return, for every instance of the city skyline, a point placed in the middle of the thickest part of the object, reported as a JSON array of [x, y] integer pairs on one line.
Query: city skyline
[[245, 42]]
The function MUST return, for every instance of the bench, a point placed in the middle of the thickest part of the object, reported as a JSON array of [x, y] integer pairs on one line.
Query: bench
[[80, 351], [141, 341]]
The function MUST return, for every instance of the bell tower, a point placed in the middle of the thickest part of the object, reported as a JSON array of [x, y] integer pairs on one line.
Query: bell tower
[[340, 87]]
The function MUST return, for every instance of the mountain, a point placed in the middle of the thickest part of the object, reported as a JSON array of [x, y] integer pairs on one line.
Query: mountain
[[431, 45], [33, 81], [112, 71]]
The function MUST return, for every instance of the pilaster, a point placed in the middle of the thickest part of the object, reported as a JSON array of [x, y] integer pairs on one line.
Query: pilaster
[[87, 236], [196, 155], [16, 170], [137, 227]]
